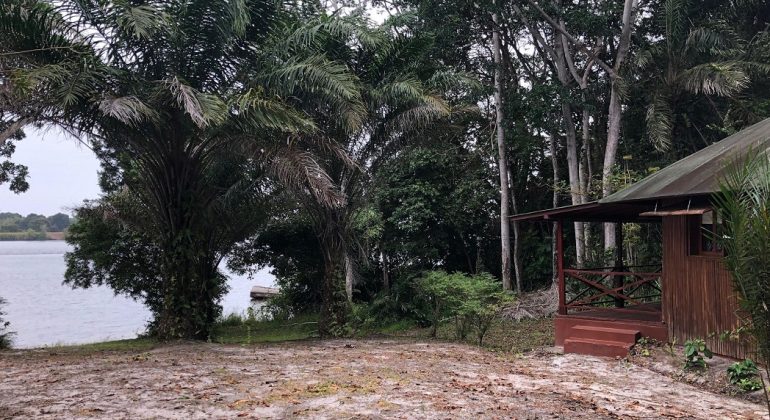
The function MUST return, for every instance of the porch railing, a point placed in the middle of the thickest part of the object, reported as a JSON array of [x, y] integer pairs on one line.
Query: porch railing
[[630, 289]]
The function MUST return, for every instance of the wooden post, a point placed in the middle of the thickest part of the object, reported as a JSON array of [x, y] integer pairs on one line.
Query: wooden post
[[618, 280], [560, 268]]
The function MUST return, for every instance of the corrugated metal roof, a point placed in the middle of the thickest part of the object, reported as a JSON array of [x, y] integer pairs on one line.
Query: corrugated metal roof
[[699, 173], [594, 212]]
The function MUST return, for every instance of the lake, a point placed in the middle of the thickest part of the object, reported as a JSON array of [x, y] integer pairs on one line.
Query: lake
[[44, 312]]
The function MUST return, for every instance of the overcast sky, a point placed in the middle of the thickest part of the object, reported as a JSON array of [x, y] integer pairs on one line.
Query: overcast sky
[[62, 173]]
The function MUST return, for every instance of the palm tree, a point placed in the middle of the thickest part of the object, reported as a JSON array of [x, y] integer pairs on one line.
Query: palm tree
[[180, 96], [403, 94], [743, 204], [697, 61]]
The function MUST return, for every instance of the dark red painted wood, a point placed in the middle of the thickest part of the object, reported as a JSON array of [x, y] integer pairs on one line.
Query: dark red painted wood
[[698, 296]]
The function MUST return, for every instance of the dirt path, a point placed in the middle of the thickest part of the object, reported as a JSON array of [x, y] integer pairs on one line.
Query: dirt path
[[344, 379]]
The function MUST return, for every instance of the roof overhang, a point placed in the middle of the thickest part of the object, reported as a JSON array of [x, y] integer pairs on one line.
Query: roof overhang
[[622, 212]]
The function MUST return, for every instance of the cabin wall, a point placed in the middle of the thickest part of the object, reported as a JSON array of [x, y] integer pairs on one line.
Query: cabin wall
[[698, 296]]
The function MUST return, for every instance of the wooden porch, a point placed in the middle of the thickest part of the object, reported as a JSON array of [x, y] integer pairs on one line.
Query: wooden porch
[[603, 311]]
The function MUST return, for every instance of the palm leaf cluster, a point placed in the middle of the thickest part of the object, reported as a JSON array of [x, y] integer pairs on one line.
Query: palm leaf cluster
[[743, 204], [186, 102], [707, 60]]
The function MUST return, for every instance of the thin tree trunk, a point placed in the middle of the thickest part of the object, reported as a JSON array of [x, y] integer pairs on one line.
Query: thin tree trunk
[[586, 172], [349, 277], [571, 146], [555, 165], [505, 233], [517, 269], [479, 256], [385, 272]]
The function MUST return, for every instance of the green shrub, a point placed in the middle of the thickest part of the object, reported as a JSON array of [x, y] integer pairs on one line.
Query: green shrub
[[745, 375], [5, 335], [472, 302], [694, 353]]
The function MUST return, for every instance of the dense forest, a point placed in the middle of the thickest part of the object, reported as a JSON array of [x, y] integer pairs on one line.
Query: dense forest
[[356, 146]]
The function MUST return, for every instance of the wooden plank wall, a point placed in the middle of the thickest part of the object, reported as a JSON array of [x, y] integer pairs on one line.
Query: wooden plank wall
[[698, 296]]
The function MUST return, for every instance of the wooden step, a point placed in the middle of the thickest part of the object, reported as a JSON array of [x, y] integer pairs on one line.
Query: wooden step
[[605, 333], [596, 347]]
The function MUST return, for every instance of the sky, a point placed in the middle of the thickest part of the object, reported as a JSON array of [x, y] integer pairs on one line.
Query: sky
[[62, 173]]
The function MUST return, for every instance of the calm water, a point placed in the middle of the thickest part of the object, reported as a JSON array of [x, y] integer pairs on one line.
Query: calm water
[[44, 312]]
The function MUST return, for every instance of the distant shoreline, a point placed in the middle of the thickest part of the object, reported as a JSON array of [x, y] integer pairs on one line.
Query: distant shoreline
[[31, 236]]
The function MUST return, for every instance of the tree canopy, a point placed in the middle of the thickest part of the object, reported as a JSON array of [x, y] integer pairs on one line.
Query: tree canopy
[[352, 146]]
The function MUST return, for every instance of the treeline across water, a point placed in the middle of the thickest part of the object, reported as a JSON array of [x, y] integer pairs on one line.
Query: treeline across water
[[32, 227]]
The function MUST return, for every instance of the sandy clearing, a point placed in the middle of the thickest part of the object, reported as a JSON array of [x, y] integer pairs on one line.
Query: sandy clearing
[[345, 379]]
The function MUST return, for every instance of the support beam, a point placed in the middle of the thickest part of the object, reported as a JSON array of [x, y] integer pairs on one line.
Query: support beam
[[560, 268], [617, 282]]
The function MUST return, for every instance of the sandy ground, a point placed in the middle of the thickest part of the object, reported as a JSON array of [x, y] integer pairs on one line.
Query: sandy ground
[[345, 379]]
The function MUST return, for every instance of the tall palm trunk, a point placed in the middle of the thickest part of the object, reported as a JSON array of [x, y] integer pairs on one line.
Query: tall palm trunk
[[334, 306], [505, 228]]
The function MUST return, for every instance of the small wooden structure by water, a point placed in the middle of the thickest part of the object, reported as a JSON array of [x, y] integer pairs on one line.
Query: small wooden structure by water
[[604, 310], [263, 293]]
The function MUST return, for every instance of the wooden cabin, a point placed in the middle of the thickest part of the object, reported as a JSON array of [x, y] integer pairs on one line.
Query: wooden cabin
[[605, 310]]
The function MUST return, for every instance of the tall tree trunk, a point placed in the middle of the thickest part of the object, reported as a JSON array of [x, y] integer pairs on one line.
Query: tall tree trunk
[[615, 114], [517, 269], [610, 152], [333, 310], [505, 232], [556, 180], [571, 146], [334, 306], [586, 172]]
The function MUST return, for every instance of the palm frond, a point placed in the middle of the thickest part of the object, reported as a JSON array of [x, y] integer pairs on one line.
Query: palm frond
[[675, 14], [449, 79], [420, 116], [326, 79], [204, 109], [129, 110], [272, 113], [721, 79], [301, 171], [141, 21], [349, 28], [718, 40], [659, 122]]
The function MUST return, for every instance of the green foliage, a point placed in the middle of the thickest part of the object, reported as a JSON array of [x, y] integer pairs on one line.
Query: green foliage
[[744, 206], [31, 227], [5, 334], [744, 375], [471, 301], [694, 353], [235, 329], [289, 246]]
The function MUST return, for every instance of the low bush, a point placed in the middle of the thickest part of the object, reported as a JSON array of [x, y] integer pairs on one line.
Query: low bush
[[745, 375], [472, 302], [694, 353], [5, 334]]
